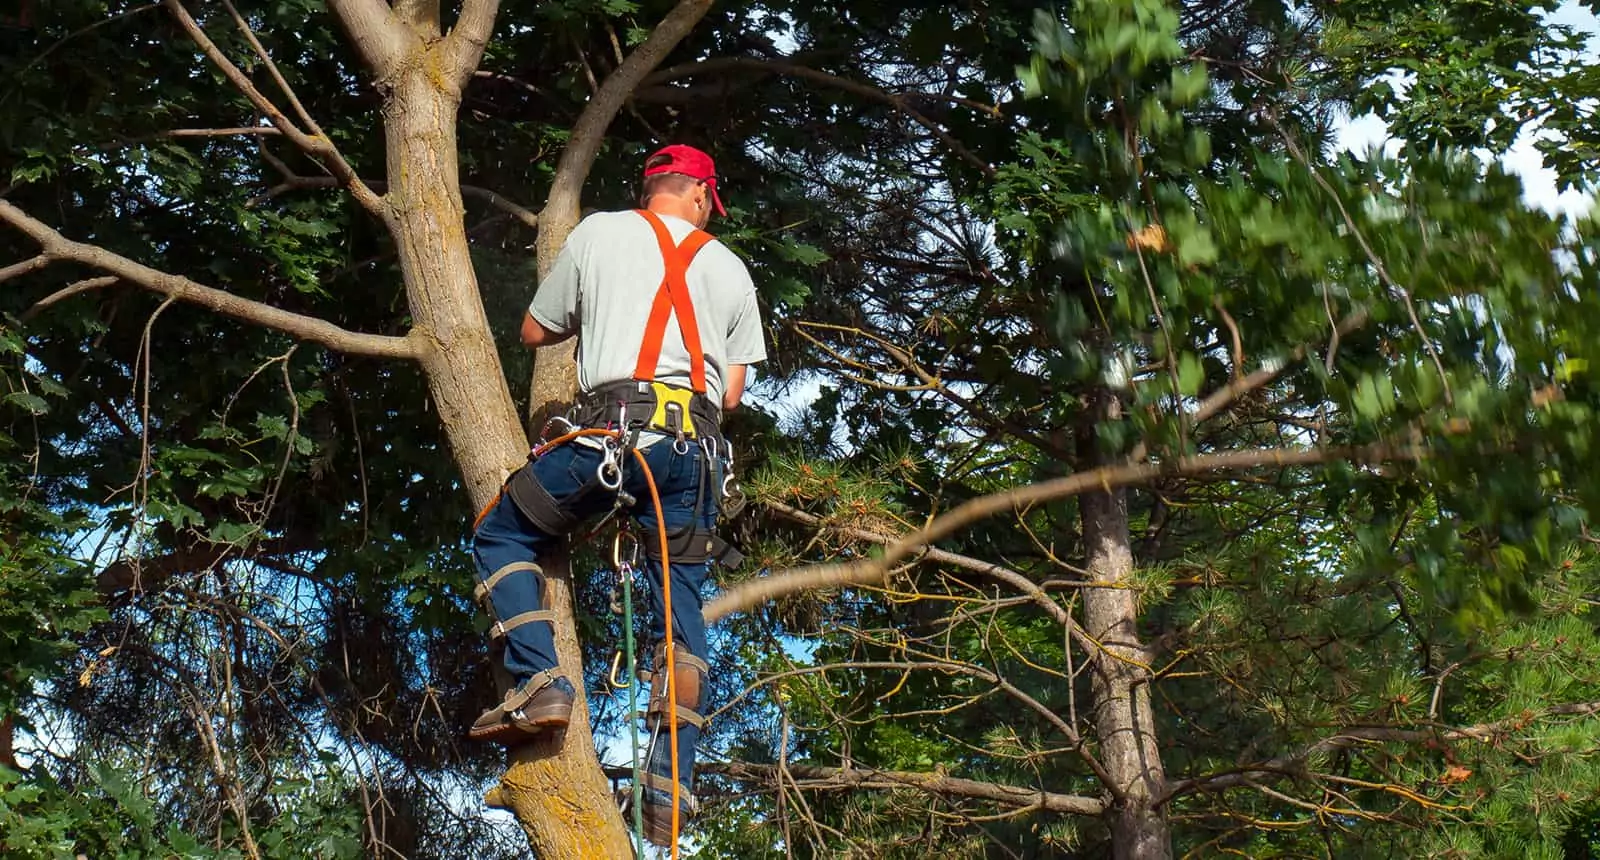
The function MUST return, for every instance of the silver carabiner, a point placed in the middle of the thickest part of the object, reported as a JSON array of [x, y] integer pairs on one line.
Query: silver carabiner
[[609, 474]]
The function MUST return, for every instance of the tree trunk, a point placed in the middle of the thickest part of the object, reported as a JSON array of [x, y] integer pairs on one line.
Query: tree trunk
[[7, 757], [555, 787], [1119, 681]]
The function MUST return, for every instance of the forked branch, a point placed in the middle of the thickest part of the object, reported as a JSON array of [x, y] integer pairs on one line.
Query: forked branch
[[315, 144]]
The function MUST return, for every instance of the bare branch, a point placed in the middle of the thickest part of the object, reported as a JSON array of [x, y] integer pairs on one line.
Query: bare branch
[[517, 211], [272, 69], [17, 270], [464, 46], [1223, 397], [858, 778], [318, 146], [69, 291], [58, 247], [754, 592], [955, 667], [936, 555], [242, 131], [899, 102]]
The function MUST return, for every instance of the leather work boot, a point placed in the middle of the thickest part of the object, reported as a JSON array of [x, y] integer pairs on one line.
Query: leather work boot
[[656, 809], [543, 703]]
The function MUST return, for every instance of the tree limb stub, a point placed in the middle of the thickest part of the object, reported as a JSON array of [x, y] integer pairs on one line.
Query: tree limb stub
[[59, 248], [858, 778], [752, 593]]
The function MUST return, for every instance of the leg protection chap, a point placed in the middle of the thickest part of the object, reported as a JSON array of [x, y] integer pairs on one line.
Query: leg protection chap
[[536, 503], [696, 545], [690, 671], [483, 594]]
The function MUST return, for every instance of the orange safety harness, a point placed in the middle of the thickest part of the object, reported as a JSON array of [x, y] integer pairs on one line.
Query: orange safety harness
[[672, 297]]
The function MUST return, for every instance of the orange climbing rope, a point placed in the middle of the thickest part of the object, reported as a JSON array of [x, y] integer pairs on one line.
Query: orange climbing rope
[[671, 705]]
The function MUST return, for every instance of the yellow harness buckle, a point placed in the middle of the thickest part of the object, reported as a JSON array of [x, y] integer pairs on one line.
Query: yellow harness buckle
[[672, 409]]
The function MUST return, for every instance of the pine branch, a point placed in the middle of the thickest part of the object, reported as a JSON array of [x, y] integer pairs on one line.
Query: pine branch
[[1291, 763], [754, 592], [862, 778]]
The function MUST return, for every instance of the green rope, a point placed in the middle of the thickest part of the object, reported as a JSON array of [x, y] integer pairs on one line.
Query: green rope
[[637, 790]]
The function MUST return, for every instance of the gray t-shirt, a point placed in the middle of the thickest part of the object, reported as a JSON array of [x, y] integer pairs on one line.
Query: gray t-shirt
[[604, 281]]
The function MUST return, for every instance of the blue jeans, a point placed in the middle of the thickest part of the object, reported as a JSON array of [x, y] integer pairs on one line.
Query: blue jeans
[[686, 482]]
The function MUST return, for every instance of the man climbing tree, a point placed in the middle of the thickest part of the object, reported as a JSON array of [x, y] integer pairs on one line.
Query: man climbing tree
[[655, 377]]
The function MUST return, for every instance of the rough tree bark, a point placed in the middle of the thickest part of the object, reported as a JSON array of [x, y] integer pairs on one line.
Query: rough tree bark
[[1119, 677], [555, 787]]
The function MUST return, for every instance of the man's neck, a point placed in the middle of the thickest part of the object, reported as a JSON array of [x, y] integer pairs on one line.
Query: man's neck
[[676, 207]]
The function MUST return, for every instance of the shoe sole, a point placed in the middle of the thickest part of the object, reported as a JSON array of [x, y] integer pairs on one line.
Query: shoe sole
[[531, 726]]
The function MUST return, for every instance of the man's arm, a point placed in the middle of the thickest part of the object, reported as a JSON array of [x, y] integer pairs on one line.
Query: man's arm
[[552, 316], [535, 335], [733, 387]]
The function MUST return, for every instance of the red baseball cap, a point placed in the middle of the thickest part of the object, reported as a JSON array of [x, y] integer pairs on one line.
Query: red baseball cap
[[692, 163]]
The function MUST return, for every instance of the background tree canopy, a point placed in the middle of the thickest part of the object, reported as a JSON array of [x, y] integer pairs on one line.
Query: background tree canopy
[[1135, 474]]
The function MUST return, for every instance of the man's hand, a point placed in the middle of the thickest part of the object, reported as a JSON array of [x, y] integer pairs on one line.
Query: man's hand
[[734, 387], [535, 335]]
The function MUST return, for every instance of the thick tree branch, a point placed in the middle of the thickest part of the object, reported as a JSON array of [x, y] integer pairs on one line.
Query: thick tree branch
[[316, 145], [380, 39], [59, 248], [858, 778], [590, 129], [897, 101], [554, 373], [463, 48], [751, 593], [1291, 762]]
